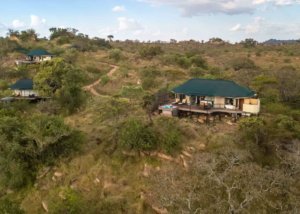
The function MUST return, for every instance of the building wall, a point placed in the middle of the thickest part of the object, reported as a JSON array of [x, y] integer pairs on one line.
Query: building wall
[[46, 58], [42, 58], [251, 106], [219, 102], [25, 93]]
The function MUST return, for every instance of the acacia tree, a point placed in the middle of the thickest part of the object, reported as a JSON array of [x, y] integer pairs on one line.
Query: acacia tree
[[110, 37], [63, 82]]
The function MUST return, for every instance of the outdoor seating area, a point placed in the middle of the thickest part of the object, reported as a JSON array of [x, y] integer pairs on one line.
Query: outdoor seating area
[[213, 96], [35, 56]]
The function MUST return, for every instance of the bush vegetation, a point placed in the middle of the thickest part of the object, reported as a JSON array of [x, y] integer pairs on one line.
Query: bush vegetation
[[162, 135], [251, 166], [33, 141]]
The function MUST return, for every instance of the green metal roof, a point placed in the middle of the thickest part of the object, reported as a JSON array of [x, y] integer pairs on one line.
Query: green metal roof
[[23, 84], [39, 52], [212, 88]]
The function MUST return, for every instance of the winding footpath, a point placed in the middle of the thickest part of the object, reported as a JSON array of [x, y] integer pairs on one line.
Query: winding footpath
[[91, 87]]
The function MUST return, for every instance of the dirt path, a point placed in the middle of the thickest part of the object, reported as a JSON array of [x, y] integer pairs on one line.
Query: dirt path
[[91, 87]]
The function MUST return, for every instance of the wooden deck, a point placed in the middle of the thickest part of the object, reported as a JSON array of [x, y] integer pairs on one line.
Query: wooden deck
[[11, 99], [22, 62], [197, 109]]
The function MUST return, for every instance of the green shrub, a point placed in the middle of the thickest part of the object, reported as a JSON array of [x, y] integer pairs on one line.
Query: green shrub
[[148, 83], [124, 72], [197, 72], [277, 108], [150, 51], [199, 61], [173, 74], [253, 129], [63, 40], [242, 63], [151, 72], [71, 55], [110, 206], [284, 122], [105, 79], [72, 204], [115, 54], [3, 85], [170, 135], [63, 82], [148, 77], [138, 136], [184, 61], [132, 92], [34, 141], [9, 207]]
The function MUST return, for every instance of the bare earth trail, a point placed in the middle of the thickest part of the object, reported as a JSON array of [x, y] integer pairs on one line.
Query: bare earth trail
[[91, 87]]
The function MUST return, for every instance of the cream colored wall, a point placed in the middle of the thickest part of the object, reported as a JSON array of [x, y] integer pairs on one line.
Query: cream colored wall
[[219, 102], [25, 93], [42, 58], [188, 99], [251, 108], [47, 58]]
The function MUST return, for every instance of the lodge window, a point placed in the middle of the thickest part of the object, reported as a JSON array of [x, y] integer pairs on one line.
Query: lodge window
[[229, 101]]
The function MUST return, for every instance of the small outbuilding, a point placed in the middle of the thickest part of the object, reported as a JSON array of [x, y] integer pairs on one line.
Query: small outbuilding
[[23, 88], [36, 56], [39, 55]]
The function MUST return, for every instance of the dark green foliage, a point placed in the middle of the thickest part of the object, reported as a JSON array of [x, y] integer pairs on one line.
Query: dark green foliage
[[242, 63], [116, 55], [105, 79], [7, 46], [132, 92], [71, 55], [198, 61], [150, 105], [3, 85], [9, 207], [62, 32], [249, 43], [138, 136], [110, 206], [28, 142], [253, 128], [150, 51], [265, 86], [288, 84], [148, 76], [263, 136], [148, 83], [187, 61], [183, 61], [197, 72], [79, 41], [73, 204], [63, 82], [170, 135], [25, 35], [163, 134], [151, 72]]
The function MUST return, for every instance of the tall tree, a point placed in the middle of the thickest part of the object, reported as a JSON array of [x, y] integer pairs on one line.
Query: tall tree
[[63, 82], [110, 37]]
